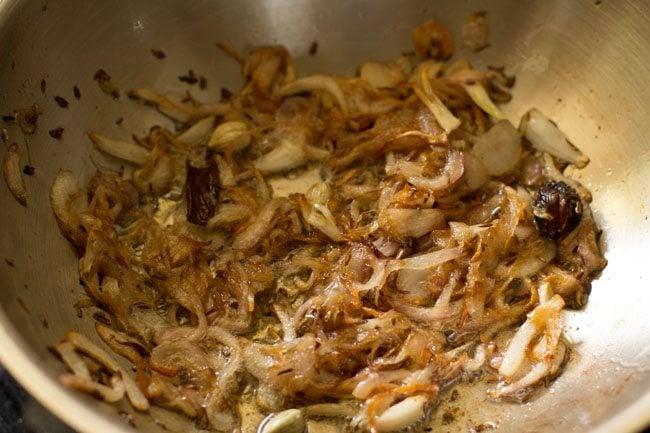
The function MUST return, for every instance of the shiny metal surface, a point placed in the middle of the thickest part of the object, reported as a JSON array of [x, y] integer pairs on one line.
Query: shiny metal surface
[[583, 63]]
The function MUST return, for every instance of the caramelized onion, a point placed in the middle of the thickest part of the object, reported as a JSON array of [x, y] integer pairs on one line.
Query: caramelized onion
[[349, 243], [12, 175]]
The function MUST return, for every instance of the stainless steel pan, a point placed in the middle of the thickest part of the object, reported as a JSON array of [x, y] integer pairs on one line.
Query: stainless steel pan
[[584, 63]]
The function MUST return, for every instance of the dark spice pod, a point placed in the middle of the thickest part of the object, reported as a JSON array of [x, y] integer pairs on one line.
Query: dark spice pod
[[202, 191], [557, 209]]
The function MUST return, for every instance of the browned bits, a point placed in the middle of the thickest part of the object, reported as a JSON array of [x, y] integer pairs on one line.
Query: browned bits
[[203, 83], [557, 209], [313, 48], [105, 83], [8, 118], [29, 170], [432, 40], [159, 54], [190, 78], [119, 121], [27, 118], [43, 85], [475, 32], [77, 92], [56, 133], [225, 94], [101, 317], [63, 103], [9, 262]]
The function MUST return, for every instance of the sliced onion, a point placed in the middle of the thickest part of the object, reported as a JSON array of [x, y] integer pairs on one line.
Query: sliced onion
[[72, 359], [517, 349], [475, 363], [451, 172], [229, 213], [199, 132], [83, 344], [428, 315], [12, 174], [411, 222], [533, 259], [534, 375], [121, 343], [499, 149], [288, 153], [428, 68], [316, 83], [428, 260], [110, 394], [547, 137], [260, 226], [376, 379], [286, 322], [381, 75], [287, 421], [443, 116], [475, 173], [401, 415], [227, 375], [480, 96], [120, 149], [317, 214], [166, 106], [68, 202]]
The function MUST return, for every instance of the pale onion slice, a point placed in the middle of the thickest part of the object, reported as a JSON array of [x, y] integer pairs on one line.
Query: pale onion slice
[[480, 96], [12, 174], [410, 222], [428, 260], [289, 153], [83, 344], [547, 137], [229, 213], [288, 421], [475, 173], [534, 375], [428, 68], [120, 149], [166, 106], [316, 83], [72, 359], [381, 75], [518, 347], [198, 133], [111, 394], [259, 227], [443, 116], [499, 149], [401, 415]]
